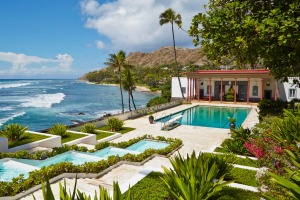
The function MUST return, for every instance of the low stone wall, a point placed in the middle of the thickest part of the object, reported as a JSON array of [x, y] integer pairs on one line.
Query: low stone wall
[[52, 141], [128, 115]]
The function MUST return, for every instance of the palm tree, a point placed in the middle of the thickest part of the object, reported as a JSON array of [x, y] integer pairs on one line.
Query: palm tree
[[129, 85], [117, 61], [170, 16]]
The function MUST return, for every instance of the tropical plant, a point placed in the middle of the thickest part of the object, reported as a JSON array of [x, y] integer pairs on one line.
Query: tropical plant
[[252, 32], [286, 131], [195, 176], [117, 61], [129, 86], [89, 128], [59, 129], [77, 195], [14, 132], [115, 124], [157, 101], [170, 16], [291, 183]]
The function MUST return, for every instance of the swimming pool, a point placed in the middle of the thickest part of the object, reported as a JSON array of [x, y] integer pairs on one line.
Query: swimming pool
[[12, 167], [209, 116]]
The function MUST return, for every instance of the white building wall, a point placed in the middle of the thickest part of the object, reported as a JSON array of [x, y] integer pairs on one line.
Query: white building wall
[[288, 86], [176, 89]]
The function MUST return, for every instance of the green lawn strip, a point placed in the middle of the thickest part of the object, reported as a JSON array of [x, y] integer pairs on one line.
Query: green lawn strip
[[244, 161], [101, 135], [123, 129], [247, 162], [152, 187], [221, 150], [243, 176], [72, 136], [26, 138], [230, 193]]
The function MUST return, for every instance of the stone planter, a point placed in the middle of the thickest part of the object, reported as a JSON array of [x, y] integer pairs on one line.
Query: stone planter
[[151, 119]]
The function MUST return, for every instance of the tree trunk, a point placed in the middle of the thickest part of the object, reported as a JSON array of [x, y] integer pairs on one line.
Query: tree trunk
[[132, 100], [176, 64], [120, 80], [129, 100]]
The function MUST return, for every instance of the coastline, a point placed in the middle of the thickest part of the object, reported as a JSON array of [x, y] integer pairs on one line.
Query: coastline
[[138, 87]]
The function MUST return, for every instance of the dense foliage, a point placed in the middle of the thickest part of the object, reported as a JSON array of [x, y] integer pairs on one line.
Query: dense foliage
[[251, 32], [13, 132], [59, 129], [89, 128], [196, 176], [269, 107], [115, 124], [157, 101]]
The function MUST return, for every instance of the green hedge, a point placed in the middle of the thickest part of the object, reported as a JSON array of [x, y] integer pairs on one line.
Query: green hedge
[[36, 177], [271, 107]]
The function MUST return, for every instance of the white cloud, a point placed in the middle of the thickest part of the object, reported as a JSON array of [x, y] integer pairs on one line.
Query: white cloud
[[24, 65], [100, 44], [133, 25]]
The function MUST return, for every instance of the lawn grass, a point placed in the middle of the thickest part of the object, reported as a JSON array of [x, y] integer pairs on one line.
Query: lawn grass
[[244, 161], [247, 162], [153, 188], [26, 138], [123, 129], [72, 136], [243, 176], [101, 135]]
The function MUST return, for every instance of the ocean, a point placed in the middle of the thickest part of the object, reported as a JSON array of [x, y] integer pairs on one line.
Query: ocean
[[39, 104]]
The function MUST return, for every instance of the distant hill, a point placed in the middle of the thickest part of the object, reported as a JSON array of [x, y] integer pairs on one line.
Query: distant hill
[[165, 55]]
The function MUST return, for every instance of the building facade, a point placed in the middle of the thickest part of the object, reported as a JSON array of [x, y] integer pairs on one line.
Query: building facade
[[233, 85]]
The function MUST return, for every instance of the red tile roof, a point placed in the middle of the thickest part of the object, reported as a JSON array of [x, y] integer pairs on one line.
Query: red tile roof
[[251, 71]]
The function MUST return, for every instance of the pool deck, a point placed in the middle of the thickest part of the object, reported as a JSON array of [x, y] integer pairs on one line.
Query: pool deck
[[194, 139]]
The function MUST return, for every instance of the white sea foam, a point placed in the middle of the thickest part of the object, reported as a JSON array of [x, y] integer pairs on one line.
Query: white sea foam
[[13, 85], [6, 108], [43, 100], [2, 121]]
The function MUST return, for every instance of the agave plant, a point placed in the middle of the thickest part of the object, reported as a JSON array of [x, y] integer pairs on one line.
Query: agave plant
[[77, 195], [14, 132], [59, 129], [89, 128], [195, 177]]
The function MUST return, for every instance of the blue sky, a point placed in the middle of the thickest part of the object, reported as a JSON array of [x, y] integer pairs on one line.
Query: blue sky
[[68, 38]]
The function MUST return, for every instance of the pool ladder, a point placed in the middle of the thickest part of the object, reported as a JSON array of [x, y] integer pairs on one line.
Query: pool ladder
[[162, 124]]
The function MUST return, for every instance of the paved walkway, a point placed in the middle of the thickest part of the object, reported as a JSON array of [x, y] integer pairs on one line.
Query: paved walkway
[[194, 139]]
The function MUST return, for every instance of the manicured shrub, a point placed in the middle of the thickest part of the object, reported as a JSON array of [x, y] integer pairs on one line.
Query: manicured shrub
[[157, 101], [59, 129], [89, 128], [115, 124], [14, 132], [268, 107]]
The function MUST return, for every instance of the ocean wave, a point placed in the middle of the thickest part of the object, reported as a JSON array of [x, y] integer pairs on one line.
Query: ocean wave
[[43, 100], [6, 108], [13, 85], [2, 121]]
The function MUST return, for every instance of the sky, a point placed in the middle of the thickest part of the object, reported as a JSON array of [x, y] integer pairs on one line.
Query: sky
[[68, 38]]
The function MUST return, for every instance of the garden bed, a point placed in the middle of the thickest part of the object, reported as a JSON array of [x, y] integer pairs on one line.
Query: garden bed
[[123, 129], [72, 136], [152, 187], [25, 139]]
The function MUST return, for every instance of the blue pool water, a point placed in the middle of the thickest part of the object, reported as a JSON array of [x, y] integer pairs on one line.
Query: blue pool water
[[142, 145], [210, 116], [10, 168], [111, 151]]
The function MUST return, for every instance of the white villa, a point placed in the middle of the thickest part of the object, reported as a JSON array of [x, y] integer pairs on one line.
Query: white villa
[[244, 86]]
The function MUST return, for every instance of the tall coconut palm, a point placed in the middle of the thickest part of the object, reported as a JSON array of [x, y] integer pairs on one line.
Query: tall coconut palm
[[129, 85], [117, 61], [170, 16]]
